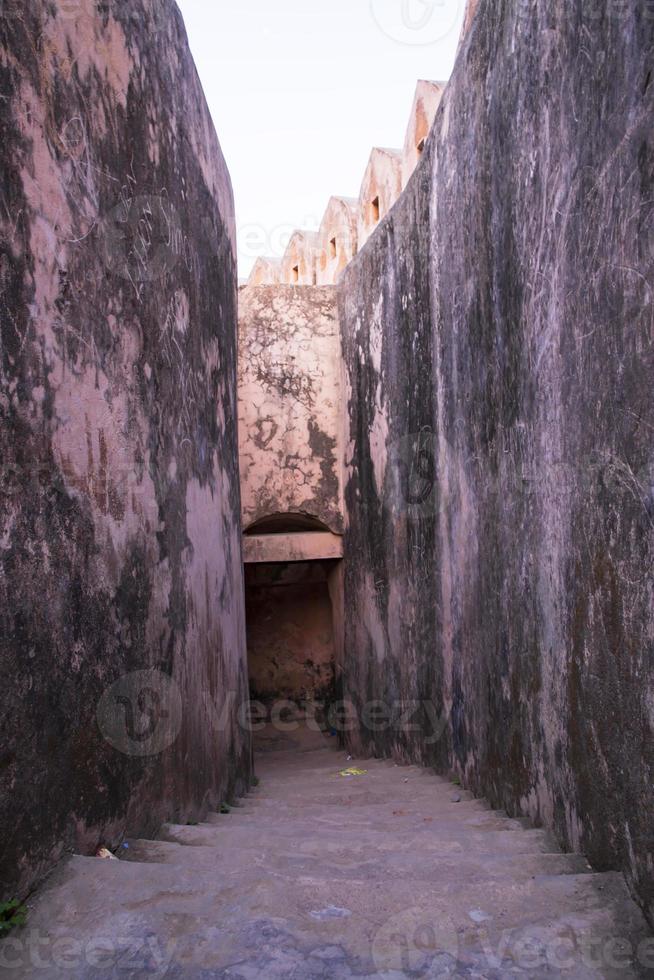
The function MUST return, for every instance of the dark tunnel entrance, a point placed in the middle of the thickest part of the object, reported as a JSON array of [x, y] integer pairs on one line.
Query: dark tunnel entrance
[[293, 615]]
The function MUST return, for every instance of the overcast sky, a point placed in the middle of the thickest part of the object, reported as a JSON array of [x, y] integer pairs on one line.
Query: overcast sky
[[301, 90]]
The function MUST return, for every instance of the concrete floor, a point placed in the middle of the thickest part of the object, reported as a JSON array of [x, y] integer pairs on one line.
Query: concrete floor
[[394, 873]]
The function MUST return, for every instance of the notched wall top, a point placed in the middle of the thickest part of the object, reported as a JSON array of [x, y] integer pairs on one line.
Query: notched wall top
[[423, 112], [337, 243], [320, 258]]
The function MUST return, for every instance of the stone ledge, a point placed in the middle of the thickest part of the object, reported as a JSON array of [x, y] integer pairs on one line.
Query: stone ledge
[[298, 546]]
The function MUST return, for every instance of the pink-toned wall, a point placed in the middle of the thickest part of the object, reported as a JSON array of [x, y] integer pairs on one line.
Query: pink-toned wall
[[122, 633], [500, 486], [290, 403]]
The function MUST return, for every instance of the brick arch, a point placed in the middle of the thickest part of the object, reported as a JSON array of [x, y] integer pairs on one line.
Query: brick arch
[[285, 523]]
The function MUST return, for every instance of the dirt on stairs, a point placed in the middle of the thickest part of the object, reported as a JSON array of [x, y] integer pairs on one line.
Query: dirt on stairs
[[389, 873]]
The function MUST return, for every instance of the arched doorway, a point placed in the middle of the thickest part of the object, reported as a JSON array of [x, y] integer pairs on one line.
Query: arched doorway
[[286, 524], [293, 566]]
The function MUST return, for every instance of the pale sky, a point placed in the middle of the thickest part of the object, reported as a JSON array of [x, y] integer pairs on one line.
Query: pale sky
[[301, 90]]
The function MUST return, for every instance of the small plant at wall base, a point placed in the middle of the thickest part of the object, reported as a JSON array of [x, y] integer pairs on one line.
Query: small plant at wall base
[[12, 915]]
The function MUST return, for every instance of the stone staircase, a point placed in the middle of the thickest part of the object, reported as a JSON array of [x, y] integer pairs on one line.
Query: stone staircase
[[393, 873]]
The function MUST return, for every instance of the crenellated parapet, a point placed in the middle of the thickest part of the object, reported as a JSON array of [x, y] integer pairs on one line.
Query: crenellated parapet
[[423, 112], [319, 258], [298, 267], [338, 238], [380, 189], [266, 272]]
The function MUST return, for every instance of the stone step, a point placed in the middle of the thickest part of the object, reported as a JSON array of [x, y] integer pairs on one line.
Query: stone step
[[333, 800], [314, 879], [317, 838], [332, 796], [424, 805], [212, 919], [375, 778], [400, 863], [401, 819]]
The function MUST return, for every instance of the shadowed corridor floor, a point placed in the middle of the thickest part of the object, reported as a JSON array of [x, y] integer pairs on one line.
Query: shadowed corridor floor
[[391, 873]]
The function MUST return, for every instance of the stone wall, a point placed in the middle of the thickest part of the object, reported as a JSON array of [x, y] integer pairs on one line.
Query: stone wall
[[121, 597], [290, 404], [500, 487]]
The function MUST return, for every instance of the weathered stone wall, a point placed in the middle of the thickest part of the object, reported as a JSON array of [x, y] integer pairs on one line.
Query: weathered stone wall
[[290, 403], [390, 545], [119, 498], [290, 633], [498, 336]]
